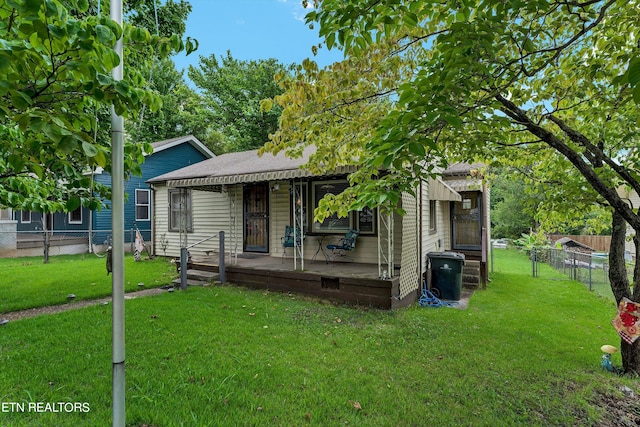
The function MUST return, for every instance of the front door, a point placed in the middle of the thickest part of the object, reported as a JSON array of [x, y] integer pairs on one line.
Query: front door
[[466, 221], [256, 218]]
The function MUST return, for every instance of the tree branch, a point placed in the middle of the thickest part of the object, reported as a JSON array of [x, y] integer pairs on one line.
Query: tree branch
[[597, 154], [609, 194]]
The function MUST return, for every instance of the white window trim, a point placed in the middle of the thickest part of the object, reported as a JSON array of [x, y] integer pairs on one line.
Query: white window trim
[[353, 216], [316, 226], [433, 216], [147, 205], [187, 194], [71, 221], [22, 220]]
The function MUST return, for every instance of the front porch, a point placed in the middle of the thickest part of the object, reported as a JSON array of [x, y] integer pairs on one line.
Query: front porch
[[349, 282]]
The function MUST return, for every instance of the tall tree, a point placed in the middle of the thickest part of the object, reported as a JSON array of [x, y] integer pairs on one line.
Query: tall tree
[[233, 90], [183, 111], [54, 69], [551, 80]]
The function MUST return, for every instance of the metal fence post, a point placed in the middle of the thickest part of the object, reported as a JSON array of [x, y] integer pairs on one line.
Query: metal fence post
[[533, 262], [184, 254], [221, 267], [590, 270]]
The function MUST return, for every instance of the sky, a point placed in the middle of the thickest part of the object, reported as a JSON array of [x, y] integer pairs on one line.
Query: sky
[[252, 30]]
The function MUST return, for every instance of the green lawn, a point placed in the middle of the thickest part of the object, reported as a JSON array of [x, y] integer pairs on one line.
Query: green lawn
[[524, 353], [28, 282]]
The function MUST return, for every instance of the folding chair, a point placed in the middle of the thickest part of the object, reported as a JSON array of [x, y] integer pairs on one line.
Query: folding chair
[[344, 245]]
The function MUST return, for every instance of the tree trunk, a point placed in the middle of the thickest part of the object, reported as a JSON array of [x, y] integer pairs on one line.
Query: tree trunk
[[620, 286]]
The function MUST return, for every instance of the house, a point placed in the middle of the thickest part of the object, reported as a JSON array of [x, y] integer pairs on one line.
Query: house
[[83, 230], [253, 199], [569, 244]]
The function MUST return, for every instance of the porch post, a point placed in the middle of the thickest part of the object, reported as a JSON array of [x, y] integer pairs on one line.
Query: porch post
[[385, 243], [221, 264], [184, 254], [301, 224]]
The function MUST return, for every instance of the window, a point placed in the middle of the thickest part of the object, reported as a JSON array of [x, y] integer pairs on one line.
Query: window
[[25, 217], [366, 221], [6, 215], [75, 217], [363, 220], [180, 210], [142, 205], [331, 224], [433, 217]]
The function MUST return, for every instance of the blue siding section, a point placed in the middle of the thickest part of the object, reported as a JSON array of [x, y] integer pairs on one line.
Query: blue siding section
[[60, 222], [155, 165]]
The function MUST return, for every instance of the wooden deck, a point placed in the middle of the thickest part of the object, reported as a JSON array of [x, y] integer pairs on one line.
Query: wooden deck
[[348, 282]]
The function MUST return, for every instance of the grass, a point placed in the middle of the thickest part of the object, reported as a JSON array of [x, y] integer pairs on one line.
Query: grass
[[28, 282], [524, 353]]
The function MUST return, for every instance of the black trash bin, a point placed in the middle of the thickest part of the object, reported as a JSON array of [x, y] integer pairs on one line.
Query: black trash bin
[[446, 273]]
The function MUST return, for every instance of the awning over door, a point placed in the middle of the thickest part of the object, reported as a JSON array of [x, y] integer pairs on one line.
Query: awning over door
[[439, 190]]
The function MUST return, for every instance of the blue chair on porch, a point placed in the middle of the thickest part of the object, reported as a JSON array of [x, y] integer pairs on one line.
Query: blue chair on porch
[[290, 239], [344, 245]]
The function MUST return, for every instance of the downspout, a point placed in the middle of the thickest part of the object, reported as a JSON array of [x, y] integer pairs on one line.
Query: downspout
[[420, 235], [153, 222]]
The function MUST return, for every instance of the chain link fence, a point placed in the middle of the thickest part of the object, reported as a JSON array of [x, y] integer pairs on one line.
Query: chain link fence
[[15, 244], [590, 269]]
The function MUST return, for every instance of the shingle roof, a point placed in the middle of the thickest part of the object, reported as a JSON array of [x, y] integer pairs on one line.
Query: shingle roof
[[462, 168]]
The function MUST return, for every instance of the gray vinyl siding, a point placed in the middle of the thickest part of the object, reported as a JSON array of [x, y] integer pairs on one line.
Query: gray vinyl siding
[[210, 215]]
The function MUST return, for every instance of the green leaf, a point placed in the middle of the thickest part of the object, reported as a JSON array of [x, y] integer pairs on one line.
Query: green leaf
[[82, 5], [191, 45], [100, 158], [52, 132], [528, 45], [20, 100], [72, 204], [89, 149], [122, 87], [104, 34], [31, 5], [66, 144], [417, 149], [17, 162], [634, 71], [636, 94], [51, 8], [104, 79]]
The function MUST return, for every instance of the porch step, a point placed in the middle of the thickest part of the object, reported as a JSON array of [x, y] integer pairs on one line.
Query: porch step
[[199, 278], [190, 282], [471, 274], [207, 276]]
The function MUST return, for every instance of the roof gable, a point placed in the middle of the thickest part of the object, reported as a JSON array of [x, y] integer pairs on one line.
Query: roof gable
[[187, 139]]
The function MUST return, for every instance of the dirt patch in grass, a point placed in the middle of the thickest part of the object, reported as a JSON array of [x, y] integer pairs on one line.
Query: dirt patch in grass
[[38, 311], [618, 411]]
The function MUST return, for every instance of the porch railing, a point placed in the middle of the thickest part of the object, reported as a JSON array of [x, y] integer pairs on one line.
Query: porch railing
[[184, 258]]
